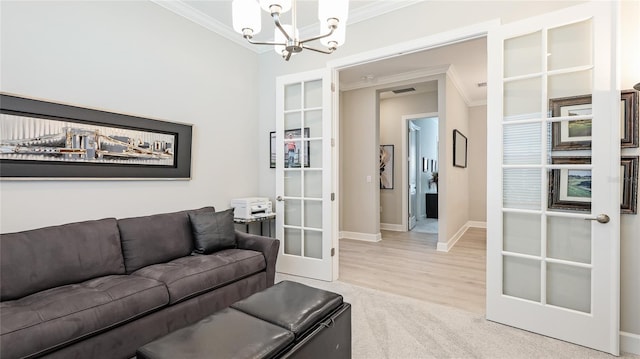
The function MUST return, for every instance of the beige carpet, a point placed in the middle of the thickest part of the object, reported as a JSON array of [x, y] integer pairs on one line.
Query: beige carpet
[[385, 325]]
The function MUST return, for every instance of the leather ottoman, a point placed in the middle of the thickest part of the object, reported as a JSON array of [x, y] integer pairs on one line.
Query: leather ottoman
[[288, 320]]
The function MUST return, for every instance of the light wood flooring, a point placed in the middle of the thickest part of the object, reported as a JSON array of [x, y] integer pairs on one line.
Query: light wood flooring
[[407, 263]]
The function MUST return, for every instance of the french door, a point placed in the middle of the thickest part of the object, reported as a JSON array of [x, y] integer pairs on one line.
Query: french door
[[303, 147], [554, 173]]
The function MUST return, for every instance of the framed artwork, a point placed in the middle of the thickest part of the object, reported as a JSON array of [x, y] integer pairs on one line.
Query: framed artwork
[[47, 140], [571, 135], [292, 146], [386, 167], [459, 149], [629, 119], [571, 189], [629, 185], [576, 135]]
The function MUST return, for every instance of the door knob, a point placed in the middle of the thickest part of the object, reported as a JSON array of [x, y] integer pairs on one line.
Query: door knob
[[601, 218], [279, 199]]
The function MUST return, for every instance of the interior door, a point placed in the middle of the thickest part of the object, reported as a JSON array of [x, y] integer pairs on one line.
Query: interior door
[[413, 160], [554, 173], [303, 174]]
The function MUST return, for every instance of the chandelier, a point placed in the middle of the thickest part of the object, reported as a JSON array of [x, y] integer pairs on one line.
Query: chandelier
[[331, 13]]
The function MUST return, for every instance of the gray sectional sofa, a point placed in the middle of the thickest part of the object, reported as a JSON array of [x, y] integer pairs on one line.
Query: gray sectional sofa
[[103, 288]]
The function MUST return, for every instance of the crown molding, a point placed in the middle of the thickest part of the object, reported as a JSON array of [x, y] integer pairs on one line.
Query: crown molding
[[362, 13], [180, 8], [401, 77], [455, 79]]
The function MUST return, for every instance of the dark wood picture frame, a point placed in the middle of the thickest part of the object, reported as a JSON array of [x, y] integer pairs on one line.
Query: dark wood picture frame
[[294, 132], [12, 106], [628, 185], [459, 149], [629, 182], [559, 185], [559, 133], [628, 121]]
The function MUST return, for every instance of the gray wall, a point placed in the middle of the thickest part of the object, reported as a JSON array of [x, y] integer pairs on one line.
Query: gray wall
[[478, 163], [132, 57]]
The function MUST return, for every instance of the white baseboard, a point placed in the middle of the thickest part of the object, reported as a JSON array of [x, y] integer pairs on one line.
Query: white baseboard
[[477, 224], [392, 227], [361, 236], [445, 247], [630, 343]]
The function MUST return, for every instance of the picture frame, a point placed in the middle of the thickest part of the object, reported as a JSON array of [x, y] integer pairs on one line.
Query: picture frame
[[570, 189], [571, 135], [459, 149], [386, 166], [53, 141], [294, 134], [576, 135], [629, 185], [629, 122], [562, 196]]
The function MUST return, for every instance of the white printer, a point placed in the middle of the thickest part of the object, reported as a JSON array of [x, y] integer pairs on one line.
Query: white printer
[[251, 207]]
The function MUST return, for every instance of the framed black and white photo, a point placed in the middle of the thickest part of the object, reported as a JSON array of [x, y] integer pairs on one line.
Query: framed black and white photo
[[292, 145], [459, 149], [47, 140], [386, 167]]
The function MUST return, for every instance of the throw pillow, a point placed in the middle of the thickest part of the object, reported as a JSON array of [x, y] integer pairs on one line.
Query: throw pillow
[[213, 231]]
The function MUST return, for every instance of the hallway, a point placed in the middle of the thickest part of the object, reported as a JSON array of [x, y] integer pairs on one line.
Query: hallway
[[407, 263]]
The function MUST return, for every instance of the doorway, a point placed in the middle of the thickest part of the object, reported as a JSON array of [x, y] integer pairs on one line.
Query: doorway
[[423, 141]]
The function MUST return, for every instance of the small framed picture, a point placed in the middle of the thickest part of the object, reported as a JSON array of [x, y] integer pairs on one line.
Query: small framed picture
[[571, 135], [459, 149], [570, 189], [386, 167]]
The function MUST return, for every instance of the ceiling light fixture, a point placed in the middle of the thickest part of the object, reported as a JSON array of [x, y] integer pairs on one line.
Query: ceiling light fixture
[[331, 13]]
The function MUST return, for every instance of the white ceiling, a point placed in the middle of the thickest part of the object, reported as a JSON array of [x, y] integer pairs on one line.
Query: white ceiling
[[467, 59]]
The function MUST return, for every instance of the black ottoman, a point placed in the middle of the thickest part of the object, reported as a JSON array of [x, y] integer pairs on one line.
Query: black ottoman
[[287, 320]]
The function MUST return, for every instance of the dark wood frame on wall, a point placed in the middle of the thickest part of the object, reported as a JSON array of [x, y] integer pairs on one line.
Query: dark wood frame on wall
[[459, 149], [11, 169], [629, 121]]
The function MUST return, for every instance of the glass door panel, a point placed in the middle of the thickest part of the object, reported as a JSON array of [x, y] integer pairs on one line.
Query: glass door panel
[[521, 278], [521, 233], [570, 46], [522, 55], [522, 99]]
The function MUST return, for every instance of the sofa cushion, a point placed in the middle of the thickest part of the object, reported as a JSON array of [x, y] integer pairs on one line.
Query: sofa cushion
[[213, 231], [36, 260], [189, 276], [156, 239], [47, 320]]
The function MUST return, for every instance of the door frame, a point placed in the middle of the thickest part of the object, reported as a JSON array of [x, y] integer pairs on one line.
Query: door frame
[[474, 31], [404, 155]]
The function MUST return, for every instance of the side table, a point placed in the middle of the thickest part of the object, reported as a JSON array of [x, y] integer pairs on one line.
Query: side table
[[257, 219]]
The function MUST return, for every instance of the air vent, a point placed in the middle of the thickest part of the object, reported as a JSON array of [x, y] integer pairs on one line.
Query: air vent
[[482, 84], [408, 89]]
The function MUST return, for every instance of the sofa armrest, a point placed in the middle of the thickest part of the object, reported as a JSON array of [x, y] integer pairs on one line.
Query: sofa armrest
[[268, 246]]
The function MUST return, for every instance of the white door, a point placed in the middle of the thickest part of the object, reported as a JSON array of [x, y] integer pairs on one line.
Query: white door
[[553, 169], [303, 174], [413, 183]]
